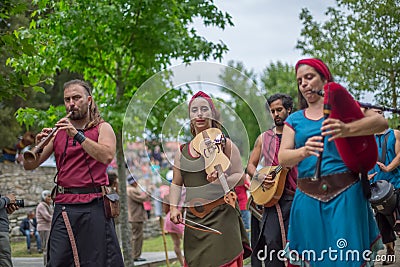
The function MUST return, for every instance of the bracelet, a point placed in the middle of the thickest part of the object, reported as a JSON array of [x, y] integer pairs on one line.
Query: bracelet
[[79, 137]]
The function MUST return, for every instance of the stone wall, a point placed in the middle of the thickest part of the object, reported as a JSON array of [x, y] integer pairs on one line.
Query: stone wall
[[28, 185]]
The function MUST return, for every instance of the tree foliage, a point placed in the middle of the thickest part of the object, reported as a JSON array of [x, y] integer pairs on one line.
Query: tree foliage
[[15, 87], [12, 91], [279, 77], [248, 103], [361, 43], [116, 45]]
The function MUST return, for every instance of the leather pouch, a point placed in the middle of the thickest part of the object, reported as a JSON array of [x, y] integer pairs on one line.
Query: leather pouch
[[111, 204]]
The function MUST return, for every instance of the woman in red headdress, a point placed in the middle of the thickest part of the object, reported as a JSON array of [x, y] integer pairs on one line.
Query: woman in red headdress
[[203, 246], [331, 221]]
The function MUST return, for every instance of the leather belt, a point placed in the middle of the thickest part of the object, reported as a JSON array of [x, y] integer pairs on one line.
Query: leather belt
[[327, 187], [78, 190], [201, 207]]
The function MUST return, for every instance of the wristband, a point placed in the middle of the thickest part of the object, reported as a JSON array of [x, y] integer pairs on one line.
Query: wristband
[[79, 137]]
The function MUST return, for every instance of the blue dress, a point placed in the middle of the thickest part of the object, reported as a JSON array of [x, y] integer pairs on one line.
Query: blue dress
[[392, 177], [340, 232]]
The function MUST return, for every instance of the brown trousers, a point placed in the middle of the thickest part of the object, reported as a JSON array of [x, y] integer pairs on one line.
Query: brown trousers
[[137, 239]]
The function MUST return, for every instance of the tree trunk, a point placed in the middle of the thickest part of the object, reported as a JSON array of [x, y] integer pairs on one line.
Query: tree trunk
[[123, 217]]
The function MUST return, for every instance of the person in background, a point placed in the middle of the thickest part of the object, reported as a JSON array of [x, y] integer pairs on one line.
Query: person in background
[[136, 215], [387, 168], [157, 204], [113, 185], [276, 217], [174, 230], [241, 192], [29, 229], [148, 205], [7, 206], [14, 153], [157, 154], [44, 214]]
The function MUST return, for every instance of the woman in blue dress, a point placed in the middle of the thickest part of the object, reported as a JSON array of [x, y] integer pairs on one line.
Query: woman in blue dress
[[336, 229]]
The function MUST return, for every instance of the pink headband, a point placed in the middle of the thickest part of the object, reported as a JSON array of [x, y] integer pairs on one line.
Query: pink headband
[[318, 65], [205, 96]]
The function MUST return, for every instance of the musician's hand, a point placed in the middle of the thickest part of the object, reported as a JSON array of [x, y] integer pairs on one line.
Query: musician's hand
[[334, 127], [43, 134], [383, 167], [175, 215], [314, 146], [268, 182], [371, 176], [65, 124], [211, 177]]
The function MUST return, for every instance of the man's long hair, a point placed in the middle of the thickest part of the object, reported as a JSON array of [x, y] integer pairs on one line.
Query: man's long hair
[[94, 114]]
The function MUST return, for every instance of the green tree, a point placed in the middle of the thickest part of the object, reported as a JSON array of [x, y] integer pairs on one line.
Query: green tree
[[279, 77], [248, 103], [360, 43], [276, 78], [116, 45], [12, 91], [15, 89]]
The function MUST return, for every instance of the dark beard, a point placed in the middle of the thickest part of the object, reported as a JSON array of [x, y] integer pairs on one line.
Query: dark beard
[[279, 123], [78, 115]]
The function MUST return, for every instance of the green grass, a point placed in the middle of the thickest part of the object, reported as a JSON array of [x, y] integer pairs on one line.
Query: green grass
[[18, 249], [157, 244]]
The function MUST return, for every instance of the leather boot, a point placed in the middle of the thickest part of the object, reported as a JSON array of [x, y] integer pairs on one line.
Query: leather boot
[[390, 258]]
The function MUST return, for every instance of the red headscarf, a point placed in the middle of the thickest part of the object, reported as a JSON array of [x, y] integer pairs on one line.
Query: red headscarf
[[318, 65], [205, 96]]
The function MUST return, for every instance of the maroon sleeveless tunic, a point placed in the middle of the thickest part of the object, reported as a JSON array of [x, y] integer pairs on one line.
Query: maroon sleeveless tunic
[[270, 149], [73, 168]]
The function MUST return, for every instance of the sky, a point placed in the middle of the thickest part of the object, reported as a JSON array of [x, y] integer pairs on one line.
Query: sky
[[265, 31]]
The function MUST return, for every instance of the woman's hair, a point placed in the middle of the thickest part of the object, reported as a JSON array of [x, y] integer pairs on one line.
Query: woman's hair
[[287, 101], [94, 114], [44, 194]]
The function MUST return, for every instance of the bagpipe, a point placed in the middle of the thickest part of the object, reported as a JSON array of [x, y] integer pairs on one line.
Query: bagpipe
[[383, 108], [359, 153]]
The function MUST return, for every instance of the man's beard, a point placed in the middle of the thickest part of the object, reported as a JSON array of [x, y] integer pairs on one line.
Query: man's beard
[[279, 123], [78, 115]]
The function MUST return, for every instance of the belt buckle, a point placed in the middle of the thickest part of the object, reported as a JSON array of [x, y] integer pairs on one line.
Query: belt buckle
[[60, 189]]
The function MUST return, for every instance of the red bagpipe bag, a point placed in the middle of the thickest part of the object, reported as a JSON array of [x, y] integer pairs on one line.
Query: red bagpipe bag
[[359, 153]]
